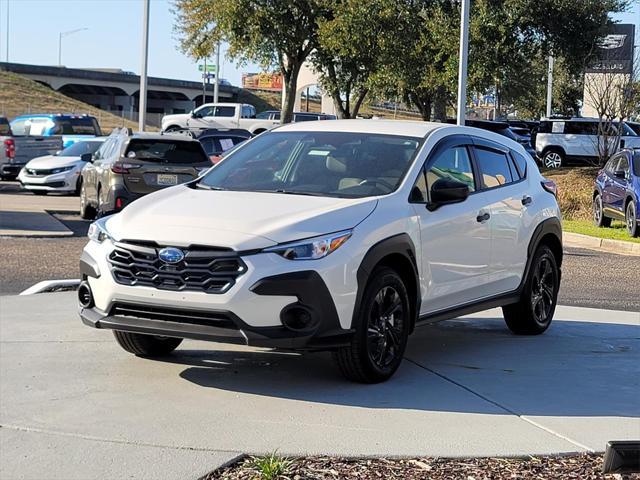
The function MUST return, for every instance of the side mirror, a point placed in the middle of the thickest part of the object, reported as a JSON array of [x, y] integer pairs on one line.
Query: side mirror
[[86, 157], [446, 192], [620, 174]]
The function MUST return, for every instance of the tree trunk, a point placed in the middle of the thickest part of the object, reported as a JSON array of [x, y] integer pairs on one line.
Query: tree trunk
[[422, 103], [440, 104], [359, 100], [290, 75]]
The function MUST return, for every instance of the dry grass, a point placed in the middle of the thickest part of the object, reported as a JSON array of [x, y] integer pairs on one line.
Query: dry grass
[[20, 95], [575, 190]]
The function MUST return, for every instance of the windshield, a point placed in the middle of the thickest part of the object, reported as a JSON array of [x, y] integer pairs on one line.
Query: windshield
[[80, 148], [316, 163], [5, 129]]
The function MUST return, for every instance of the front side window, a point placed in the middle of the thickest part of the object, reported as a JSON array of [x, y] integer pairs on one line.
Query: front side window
[[623, 165], [204, 112], [452, 164], [336, 164], [494, 168], [611, 165]]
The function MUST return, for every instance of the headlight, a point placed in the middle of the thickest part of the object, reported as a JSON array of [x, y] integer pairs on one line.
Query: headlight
[[312, 248], [62, 169], [98, 232]]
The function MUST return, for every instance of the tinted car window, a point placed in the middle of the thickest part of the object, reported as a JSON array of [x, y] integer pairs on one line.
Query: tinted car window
[[317, 163], [218, 145], [80, 148], [636, 165], [76, 126], [304, 118], [5, 129], [204, 112], [494, 168], [165, 151], [581, 128], [452, 164], [521, 164], [225, 112]]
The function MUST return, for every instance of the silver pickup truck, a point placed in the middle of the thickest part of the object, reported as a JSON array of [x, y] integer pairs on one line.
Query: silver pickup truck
[[16, 151]]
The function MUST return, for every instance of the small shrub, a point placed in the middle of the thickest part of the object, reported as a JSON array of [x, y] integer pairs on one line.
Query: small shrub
[[270, 467]]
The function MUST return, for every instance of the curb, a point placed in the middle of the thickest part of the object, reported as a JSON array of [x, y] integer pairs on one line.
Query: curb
[[619, 247]]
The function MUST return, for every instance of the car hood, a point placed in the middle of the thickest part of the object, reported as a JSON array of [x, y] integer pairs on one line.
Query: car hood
[[52, 161], [183, 216]]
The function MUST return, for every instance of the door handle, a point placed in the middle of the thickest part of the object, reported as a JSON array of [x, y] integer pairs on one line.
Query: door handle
[[526, 200], [483, 217]]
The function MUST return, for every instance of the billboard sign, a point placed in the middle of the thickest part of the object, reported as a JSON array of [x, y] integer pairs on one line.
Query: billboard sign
[[262, 81], [614, 52]]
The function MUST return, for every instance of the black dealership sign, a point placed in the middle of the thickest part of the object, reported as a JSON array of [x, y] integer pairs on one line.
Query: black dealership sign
[[614, 53]]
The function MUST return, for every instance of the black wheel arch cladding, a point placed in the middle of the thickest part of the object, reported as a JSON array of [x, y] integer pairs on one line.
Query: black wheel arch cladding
[[401, 249]]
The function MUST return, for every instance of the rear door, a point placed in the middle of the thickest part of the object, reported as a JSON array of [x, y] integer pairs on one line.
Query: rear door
[[505, 188], [151, 164], [617, 188]]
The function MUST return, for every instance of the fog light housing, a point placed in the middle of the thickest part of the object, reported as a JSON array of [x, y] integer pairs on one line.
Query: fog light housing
[[85, 296], [298, 318]]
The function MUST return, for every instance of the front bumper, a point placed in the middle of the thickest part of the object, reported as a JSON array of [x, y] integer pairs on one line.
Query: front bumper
[[57, 182], [253, 312]]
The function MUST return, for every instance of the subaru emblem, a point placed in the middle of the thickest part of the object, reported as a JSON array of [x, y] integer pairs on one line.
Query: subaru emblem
[[171, 255]]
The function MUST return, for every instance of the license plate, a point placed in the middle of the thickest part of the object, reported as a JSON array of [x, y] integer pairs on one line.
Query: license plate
[[165, 179]]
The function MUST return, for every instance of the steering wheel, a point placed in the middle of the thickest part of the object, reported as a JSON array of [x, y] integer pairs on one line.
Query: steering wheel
[[378, 181]]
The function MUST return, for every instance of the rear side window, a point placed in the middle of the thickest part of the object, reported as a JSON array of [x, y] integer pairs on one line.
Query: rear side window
[[521, 164], [581, 128], [494, 168], [225, 112], [165, 151]]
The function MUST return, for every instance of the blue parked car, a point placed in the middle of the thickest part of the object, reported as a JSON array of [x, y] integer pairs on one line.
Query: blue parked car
[[73, 128], [617, 191]]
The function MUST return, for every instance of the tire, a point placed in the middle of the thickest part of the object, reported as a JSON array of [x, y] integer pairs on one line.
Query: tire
[[552, 158], [146, 345], [631, 220], [173, 128], [87, 212], [532, 315], [78, 186], [599, 220], [379, 341]]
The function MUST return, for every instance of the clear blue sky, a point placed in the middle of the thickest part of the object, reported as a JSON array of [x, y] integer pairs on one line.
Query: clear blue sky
[[113, 38]]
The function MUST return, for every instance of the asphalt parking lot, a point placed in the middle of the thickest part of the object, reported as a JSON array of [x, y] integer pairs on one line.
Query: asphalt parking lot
[[590, 278]]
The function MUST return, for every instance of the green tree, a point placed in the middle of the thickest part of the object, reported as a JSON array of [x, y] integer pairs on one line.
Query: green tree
[[273, 33]]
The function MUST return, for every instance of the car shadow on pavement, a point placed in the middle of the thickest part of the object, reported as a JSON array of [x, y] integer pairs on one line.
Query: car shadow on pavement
[[465, 365]]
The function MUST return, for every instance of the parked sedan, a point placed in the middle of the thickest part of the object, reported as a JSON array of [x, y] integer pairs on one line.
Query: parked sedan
[[59, 172], [617, 191]]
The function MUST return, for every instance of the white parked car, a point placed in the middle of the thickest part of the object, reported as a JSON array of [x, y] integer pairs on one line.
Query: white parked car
[[561, 141], [219, 115], [339, 236], [59, 172]]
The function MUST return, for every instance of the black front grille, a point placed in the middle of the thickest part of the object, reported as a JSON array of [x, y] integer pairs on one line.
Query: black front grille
[[193, 317], [203, 269]]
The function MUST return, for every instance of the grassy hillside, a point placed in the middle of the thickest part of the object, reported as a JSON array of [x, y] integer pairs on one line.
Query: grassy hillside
[[20, 95]]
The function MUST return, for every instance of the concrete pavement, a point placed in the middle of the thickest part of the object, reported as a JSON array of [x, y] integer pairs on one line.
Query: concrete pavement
[[467, 388]]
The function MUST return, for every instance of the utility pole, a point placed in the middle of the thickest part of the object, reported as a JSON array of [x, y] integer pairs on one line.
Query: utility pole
[[142, 111], [204, 82], [462, 68], [550, 87], [7, 32], [216, 86]]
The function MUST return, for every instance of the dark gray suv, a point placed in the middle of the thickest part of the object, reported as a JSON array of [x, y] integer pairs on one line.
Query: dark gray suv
[[128, 166]]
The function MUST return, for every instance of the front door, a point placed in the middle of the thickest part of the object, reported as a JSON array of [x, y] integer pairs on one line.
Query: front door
[[456, 238]]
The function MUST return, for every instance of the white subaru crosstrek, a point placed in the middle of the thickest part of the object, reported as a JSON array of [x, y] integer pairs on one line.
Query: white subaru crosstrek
[[340, 236]]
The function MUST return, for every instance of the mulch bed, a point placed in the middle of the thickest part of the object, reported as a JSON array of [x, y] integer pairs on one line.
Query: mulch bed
[[582, 467]]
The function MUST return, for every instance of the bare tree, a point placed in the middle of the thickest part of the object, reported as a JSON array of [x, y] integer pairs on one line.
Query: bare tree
[[612, 97]]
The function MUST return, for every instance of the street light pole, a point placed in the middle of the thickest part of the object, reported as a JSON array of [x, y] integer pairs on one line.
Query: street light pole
[[462, 68], [216, 86], [142, 112], [550, 87], [66, 34], [7, 32]]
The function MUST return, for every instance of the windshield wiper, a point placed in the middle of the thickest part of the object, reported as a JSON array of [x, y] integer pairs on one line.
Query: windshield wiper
[[202, 186], [296, 192]]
